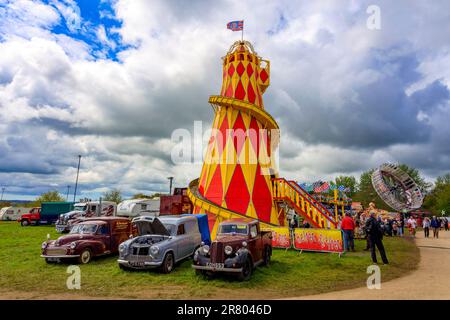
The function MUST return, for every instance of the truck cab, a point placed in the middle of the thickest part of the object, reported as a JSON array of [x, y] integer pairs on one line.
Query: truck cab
[[32, 217], [84, 210]]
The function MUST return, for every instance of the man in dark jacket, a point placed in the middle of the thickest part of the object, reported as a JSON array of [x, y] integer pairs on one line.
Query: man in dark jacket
[[375, 234], [436, 225]]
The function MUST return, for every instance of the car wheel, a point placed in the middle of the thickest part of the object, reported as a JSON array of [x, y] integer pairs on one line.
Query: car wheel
[[266, 256], [24, 223], [168, 263], [85, 256], [247, 270]]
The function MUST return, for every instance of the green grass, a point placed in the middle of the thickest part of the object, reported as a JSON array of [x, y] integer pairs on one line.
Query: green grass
[[289, 274]]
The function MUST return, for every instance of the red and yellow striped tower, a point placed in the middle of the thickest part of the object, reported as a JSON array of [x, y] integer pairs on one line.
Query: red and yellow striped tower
[[238, 164]]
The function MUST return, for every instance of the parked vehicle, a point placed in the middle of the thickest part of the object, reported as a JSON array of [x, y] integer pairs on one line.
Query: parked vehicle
[[90, 238], [48, 213], [138, 207], [178, 203], [84, 210], [163, 241], [12, 213], [239, 247]]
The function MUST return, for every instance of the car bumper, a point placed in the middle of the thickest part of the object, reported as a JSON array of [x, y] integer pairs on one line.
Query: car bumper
[[139, 264], [205, 268], [63, 256]]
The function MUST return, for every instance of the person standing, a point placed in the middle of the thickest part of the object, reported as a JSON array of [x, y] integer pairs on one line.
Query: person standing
[[375, 234], [436, 225], [348, 228], [426, 227], [401, 226], [446, 224], [412, 224]]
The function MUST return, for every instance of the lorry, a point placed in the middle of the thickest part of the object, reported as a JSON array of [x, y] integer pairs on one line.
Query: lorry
[[92, 237], [12, 213], [239, 247], [138, 207], [83, 210], [48, 213]]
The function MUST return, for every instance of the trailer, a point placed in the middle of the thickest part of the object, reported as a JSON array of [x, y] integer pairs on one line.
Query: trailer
[[138, 207], [12, 213]]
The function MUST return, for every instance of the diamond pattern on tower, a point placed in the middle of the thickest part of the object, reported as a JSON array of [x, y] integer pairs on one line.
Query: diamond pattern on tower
[[239, 133], [215, 190], [237, 197], [240, 91], [240, 69], [261, 196]]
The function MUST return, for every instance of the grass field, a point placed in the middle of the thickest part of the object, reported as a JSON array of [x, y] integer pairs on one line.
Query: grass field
[[24, 274]]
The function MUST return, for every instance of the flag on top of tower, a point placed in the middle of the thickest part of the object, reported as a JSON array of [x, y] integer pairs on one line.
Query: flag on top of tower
[[236, 25]]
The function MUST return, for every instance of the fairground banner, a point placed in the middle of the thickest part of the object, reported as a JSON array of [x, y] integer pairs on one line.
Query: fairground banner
[[322, 240], [280, 237]]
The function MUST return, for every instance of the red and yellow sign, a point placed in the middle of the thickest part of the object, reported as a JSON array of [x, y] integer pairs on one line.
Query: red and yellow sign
[[323, 240], [280, 237]]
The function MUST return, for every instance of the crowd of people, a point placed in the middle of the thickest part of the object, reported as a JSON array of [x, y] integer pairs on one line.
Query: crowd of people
[[373, 228]]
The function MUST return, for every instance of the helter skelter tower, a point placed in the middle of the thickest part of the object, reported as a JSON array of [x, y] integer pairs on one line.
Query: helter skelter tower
[[239, 165]]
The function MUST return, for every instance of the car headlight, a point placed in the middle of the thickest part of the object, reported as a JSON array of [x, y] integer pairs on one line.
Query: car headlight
[[205, 249], [122, 247], [154, 250], [244, 243], [228, 250], [73, 245], [44, 245]]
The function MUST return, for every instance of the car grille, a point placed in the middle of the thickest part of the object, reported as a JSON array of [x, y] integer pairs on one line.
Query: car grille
[[140, 251], [138, 258], [56, 252], [217, 254]]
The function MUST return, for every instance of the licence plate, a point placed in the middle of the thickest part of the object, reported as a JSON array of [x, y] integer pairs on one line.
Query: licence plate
[[215, 265], [136, 264]]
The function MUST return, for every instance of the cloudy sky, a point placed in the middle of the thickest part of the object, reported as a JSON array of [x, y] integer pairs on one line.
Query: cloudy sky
[[112, 80]]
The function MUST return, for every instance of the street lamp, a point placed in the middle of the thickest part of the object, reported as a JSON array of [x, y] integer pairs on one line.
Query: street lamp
[[76, 181], [170, 184], [67, 196]]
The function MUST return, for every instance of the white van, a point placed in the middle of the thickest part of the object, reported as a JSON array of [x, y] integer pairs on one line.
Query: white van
[[138, 207], [12, 213]]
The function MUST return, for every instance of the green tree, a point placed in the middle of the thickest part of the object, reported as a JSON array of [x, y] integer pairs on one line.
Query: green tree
[[347, 182], [439, 198], [141, 196], [115, 195], [50, 196]]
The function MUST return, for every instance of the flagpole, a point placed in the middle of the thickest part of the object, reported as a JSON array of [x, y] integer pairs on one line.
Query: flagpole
[[242, 34]]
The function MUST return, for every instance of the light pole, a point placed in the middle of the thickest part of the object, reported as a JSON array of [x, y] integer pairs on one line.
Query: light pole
[[76, 181], [3, 190], [67, 196], [170, 185]]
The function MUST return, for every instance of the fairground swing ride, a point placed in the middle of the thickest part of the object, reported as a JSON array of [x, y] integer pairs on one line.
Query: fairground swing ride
[[396, 188]]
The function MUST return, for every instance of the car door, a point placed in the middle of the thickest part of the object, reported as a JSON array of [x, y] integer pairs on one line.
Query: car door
[[182, 241], [255, 243], [103, 234]]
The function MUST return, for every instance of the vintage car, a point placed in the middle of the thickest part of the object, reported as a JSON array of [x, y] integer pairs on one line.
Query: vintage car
[[92, 237], [163, 241], [238, 248]]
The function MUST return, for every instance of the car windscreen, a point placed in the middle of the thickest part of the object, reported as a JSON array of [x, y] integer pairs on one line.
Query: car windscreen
[[171, 228], [233, 229], [83, 228], [79, 208]]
